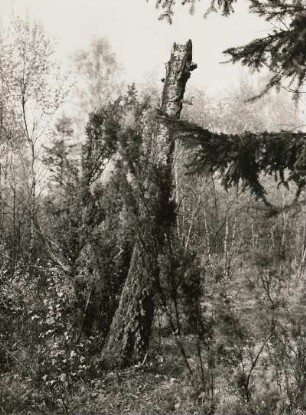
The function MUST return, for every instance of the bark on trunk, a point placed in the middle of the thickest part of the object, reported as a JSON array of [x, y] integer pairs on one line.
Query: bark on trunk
[[130, 330]]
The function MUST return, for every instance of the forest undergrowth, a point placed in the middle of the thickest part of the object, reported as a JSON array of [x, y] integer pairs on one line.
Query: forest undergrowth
[[131, 283]]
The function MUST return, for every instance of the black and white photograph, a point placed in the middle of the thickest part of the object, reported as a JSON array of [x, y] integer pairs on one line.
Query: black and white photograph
[[152, 207]]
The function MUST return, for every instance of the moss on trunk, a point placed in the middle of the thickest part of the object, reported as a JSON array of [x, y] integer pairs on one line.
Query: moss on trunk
[[130, 330]]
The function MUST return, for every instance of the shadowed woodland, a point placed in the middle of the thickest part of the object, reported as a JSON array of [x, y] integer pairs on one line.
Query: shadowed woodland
[[153, 238]]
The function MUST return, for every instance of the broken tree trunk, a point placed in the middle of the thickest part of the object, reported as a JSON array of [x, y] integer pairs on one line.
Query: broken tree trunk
[[130, 330]]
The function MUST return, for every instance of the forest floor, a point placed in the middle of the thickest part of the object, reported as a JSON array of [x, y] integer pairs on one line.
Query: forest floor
[[161, 385]]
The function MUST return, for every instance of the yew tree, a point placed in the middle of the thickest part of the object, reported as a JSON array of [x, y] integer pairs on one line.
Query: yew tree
[[147, 159]]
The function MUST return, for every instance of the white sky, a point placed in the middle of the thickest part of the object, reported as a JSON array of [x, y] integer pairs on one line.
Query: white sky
[[140, 41]]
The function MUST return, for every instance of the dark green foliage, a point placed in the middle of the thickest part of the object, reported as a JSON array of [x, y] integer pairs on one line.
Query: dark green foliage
[[101, 143], [244, 158], [84, 221], [146, 187], [283, 51], [63, 210], [226, 7]]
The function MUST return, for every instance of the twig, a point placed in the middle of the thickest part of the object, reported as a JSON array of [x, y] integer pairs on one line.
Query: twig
[[15, 358]]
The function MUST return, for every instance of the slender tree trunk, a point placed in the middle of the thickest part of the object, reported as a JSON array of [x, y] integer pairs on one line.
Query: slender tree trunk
[[32, 202], [130, 330], [32, 205]]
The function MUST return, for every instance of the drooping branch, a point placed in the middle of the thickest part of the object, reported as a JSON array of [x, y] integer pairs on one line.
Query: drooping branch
[[283, 50], [168, 7], [242, 159]]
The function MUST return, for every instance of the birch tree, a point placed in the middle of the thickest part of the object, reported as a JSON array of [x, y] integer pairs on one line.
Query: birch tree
[[30, 76]]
